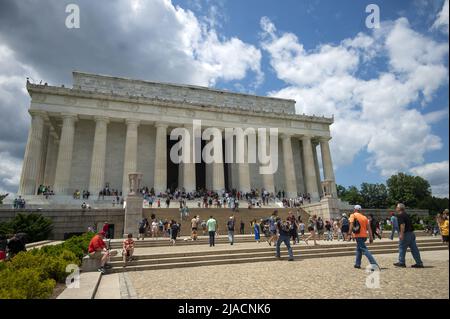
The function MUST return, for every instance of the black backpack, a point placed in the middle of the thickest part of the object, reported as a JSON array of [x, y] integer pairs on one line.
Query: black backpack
[[356, 226]]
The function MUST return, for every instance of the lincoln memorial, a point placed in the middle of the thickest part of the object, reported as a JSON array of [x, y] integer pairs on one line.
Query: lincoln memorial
[[104, 128]]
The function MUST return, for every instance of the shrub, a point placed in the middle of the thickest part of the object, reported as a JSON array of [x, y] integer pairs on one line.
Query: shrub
[[78, 244], [25, 283], [53, 267], [33, 274], [387, 227], [418, 226]]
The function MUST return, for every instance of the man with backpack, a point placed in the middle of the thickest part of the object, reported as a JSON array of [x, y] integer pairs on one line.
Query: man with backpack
[[360, 227], [345, 226], [230, 227], [284, 228]]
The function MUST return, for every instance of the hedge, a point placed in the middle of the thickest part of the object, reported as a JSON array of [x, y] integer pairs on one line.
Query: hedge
[[34, 274]]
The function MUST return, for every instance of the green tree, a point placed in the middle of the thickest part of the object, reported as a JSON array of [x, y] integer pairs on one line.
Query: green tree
[[2, 197], [341, 191], [374, 195], [351, 195], [407, 189], [36, 226], [434, 204]]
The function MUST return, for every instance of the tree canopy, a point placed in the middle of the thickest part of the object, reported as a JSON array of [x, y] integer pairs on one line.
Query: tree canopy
[[413, 191]]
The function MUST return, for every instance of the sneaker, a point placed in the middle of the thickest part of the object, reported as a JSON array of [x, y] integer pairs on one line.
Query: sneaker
[[102, 270], [417, 266], [400, 265], [278, 257], [357, 267]]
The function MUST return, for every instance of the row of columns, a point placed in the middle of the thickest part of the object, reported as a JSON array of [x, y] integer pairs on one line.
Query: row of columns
[[37, 167]]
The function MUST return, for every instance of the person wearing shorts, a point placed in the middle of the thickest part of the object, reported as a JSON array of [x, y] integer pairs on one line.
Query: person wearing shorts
[[443, 226], [128, 249], [194, 227], [97, 250]]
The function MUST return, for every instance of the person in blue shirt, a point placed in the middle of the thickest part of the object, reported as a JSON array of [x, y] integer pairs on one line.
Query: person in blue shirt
[[394, 224]]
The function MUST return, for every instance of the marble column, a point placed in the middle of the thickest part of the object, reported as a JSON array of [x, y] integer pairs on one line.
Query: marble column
[[268, 179], [310, 170], [52, 157], [289, 169], [189, 168], [327, 163], [130, 156], [160, 175], [97, 178], [243, 168], [218, 177], [317, 167], [32, 158], [64, 162], [44, 145]]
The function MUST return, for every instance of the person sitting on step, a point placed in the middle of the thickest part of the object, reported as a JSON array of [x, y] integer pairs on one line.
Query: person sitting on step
[[128, 249], [97, 250]]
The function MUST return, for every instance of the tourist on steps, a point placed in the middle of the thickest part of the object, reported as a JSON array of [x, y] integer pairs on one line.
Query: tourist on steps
[[284, 228], [230, 227], [312, 230], [211, 224], [443, 226], [128, 249], [407, 239], [360, 228], [97, 250]]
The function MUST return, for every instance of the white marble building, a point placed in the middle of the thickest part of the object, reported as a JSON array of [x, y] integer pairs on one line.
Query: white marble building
[[105, 127]]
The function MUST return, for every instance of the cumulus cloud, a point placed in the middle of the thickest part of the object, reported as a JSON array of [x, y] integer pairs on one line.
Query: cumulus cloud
[[150, 40], [374, 114], [441, 22], [437, 174], [10, 170]]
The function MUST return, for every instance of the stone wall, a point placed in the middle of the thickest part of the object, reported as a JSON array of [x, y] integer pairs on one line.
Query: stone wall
[[78, 221], [73, 220]]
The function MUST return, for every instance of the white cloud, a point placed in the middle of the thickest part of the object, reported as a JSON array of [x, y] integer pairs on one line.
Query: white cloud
[[441, 22], [10, 169], [152, 40], [437, 175], [436, 116], [374, 114]]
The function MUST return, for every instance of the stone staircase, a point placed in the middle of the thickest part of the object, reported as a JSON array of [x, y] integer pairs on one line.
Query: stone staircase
[[257, 253]]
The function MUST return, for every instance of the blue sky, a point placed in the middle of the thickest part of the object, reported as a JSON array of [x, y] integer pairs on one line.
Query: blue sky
[[387, 87], [324, 22]]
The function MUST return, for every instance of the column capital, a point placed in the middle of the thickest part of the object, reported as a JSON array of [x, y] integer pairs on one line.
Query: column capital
[[306, 137], [324, 138], [70, 116], [163, 125], [40, 113], [132, 121], [286, 135], [100, 118]]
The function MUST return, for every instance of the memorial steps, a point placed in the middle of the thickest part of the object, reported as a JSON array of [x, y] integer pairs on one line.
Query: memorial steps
[[234, 255]]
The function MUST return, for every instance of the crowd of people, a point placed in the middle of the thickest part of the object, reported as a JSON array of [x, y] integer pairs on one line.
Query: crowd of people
[[45, 190], [255, 198], [19, 203]]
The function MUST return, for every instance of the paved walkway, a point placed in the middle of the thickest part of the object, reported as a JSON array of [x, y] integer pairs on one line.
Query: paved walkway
[[310, 278]]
